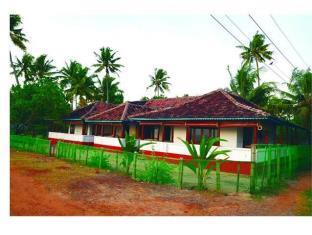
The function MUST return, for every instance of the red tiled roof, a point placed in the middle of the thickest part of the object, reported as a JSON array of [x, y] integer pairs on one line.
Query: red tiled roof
[[169, 102], [120, 112], [90, 110], [216, 104]]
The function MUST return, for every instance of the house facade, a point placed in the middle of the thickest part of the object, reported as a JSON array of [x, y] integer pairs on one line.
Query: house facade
[[166, 121]]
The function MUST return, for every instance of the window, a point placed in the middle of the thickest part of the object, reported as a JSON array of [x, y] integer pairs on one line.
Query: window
[[196, 133], [168, 134], [107, 130], [151, 132], [72, 129]]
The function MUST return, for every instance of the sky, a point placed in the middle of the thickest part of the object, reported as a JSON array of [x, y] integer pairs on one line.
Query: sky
[[191, 47]]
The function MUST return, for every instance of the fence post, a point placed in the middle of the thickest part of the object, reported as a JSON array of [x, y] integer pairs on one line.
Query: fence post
[[117, 161], [269, 173], [278, 164], [238, 174], [180, 173], [100, 162], [252, 169], [156, 171], [134, 165], [218, 176], [87, 155]]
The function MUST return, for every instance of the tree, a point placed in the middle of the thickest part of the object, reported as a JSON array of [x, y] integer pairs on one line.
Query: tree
[[257, 52], [202, 159], [43, 68], [34, 69], [17, 37], [77, 83], [107, 61], [242, 84], [299, 97], [115, 95], [34, 107], [159, 81]]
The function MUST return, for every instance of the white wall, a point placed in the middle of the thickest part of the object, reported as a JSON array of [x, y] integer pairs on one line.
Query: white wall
[[179, 132], [78, 129], [230, 134]]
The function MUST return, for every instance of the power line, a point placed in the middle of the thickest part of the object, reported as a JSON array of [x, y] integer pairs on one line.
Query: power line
[[292, 45], [272, 42], [267, 66], [237, 27], [227, 30]]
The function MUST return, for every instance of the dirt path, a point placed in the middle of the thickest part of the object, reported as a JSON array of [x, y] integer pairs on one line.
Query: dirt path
[[46, 186]]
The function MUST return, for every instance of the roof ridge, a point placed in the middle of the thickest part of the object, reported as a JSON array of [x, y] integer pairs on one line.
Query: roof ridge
[[95, 115], [166, 108], [91, 110], [235, 102]]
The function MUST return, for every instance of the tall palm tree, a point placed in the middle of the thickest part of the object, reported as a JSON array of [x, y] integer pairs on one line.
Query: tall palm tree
[[107, 61], [115, 95], [24, 67], [17, 37], [257, 52], [159, 81], [242, 84], [299, 97], [76, 82], [43, 68]]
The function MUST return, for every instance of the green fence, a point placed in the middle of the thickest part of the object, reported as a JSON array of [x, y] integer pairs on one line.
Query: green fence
[[159, 170], [272, 165], [30, 144]]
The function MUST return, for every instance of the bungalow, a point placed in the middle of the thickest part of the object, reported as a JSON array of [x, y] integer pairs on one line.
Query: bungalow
[[165, 121]]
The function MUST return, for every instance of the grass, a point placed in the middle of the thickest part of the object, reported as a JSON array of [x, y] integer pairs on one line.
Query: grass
[[306, 208]]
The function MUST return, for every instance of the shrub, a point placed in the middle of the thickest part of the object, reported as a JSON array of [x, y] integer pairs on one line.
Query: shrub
[[157, 171]]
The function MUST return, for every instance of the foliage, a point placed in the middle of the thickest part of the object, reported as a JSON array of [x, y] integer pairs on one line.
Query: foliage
[[37, 108], [242, 84], [77, 82], [144, 98], [107, 60], [159, 81], [34, 69], [257, 52], [157, 171], [201, 159], [18, 38], [130, 146], [16, 32], [299, 97], [98, 160], [115, 95]]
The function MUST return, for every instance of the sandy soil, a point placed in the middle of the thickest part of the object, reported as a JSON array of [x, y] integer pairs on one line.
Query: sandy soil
[[47, 186]]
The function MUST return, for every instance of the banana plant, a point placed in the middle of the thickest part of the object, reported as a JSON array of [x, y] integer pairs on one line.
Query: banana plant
[[200, 160], [130, 146]]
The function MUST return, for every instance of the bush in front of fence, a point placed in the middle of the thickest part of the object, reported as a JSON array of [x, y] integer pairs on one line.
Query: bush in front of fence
[[156, 171]]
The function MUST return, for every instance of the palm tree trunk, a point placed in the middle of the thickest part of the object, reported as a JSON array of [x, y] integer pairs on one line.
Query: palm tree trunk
[[257, 64], [106, 76], [14, 71]]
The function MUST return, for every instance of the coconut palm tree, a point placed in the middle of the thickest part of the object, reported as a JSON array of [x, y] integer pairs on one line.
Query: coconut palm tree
[[257, 52], [76, 82], [115, 95], [17, 37], [107, 61], [202, 158], [24, 67], [43, 68], [159, 81], [242, 84], [299, 97]]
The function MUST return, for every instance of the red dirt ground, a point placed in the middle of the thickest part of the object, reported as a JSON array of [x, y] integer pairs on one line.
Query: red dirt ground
[[47, 186]]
